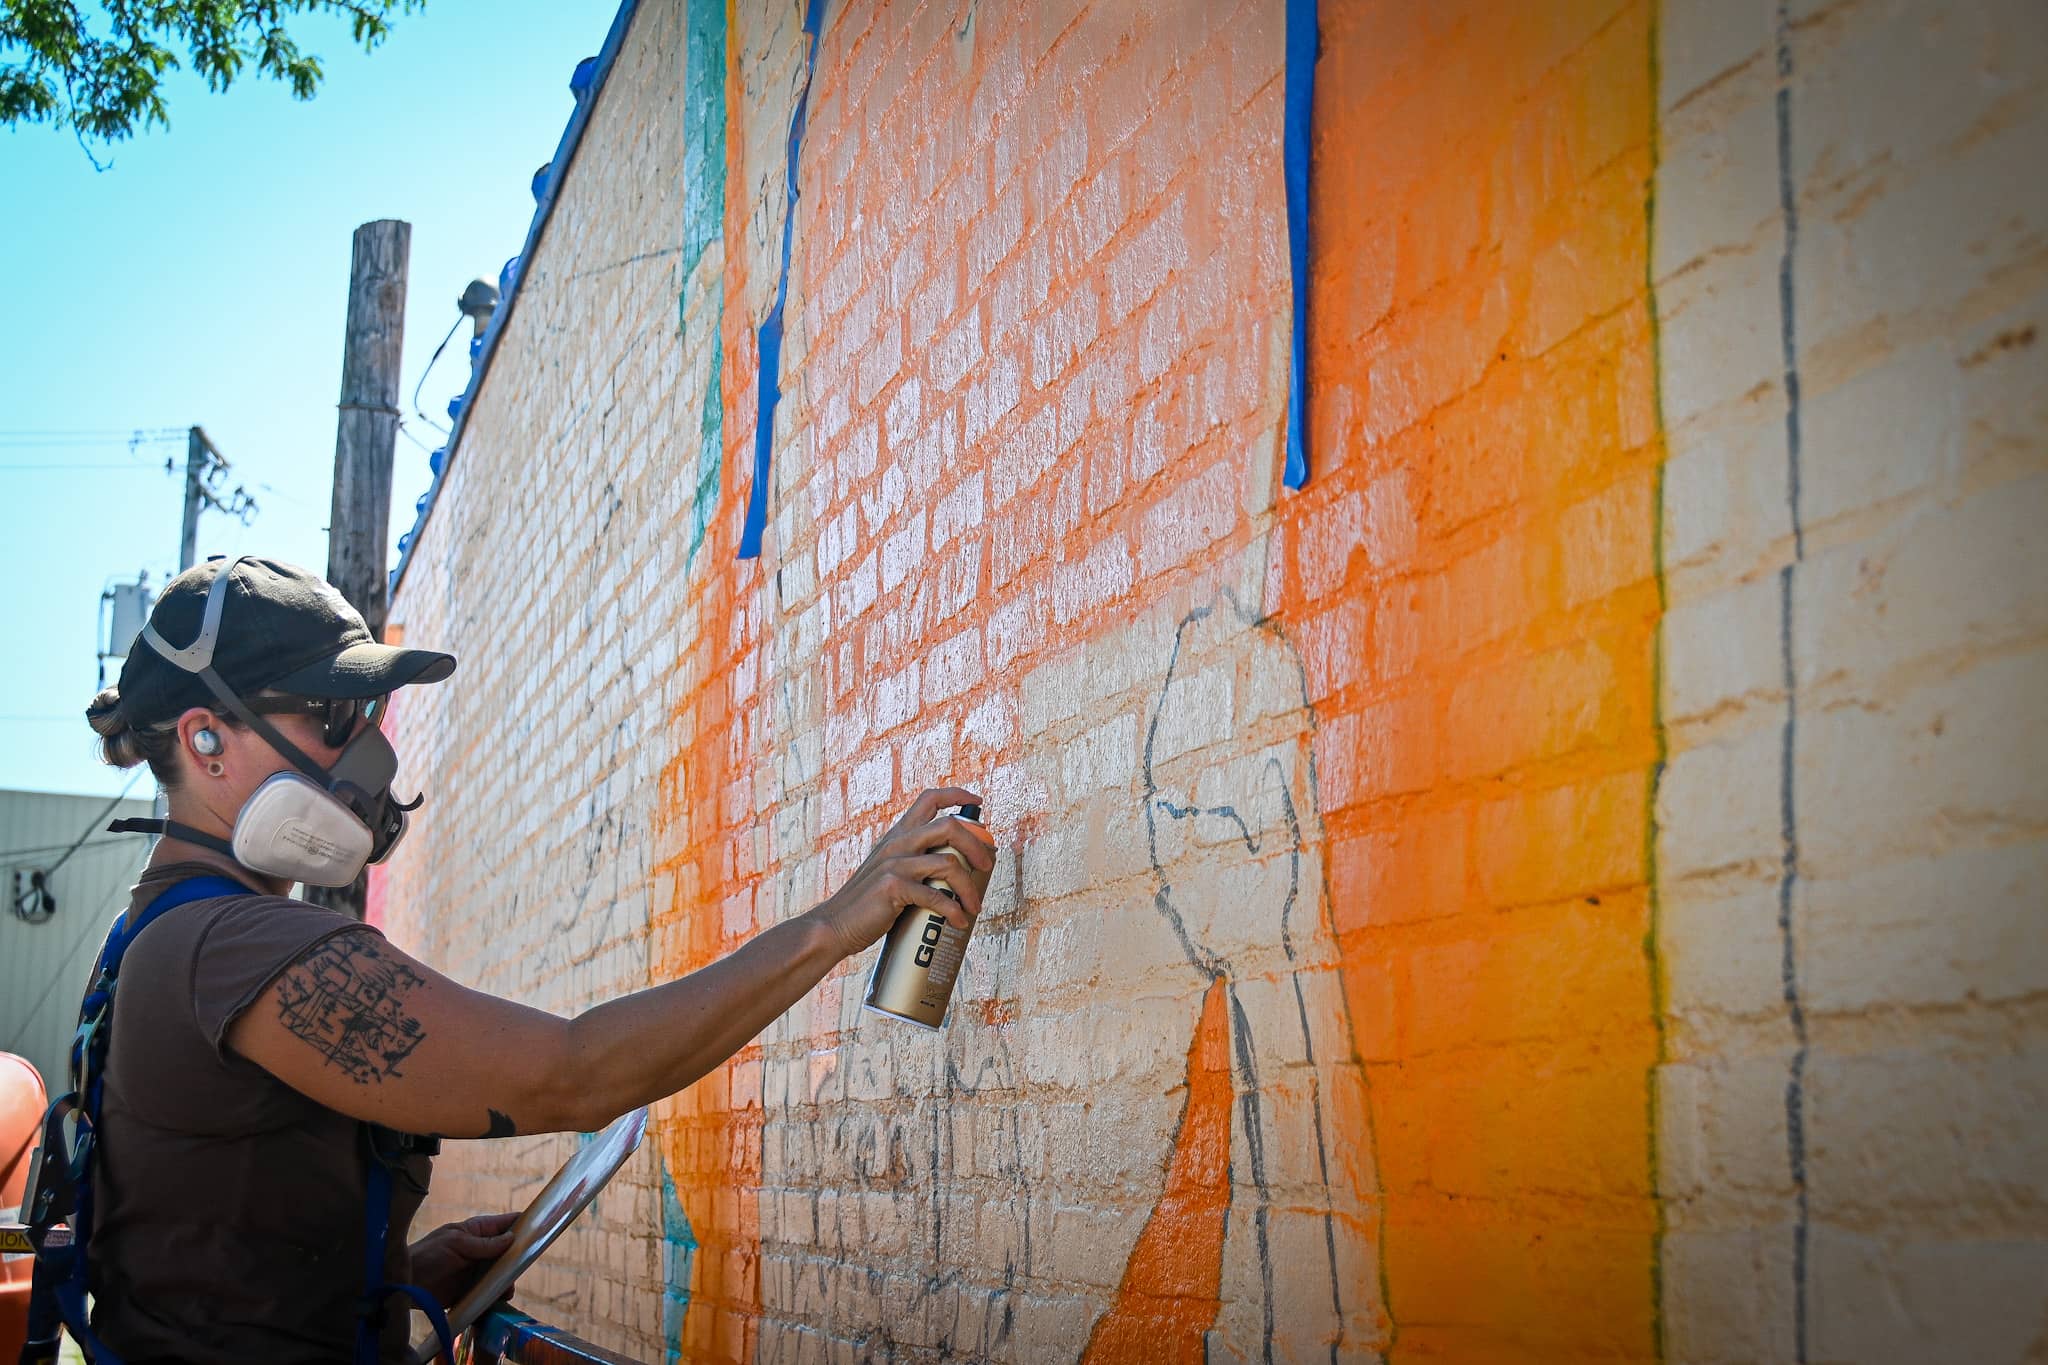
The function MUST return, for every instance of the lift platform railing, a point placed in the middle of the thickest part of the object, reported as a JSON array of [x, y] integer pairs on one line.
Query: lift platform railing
[[506, 1336]]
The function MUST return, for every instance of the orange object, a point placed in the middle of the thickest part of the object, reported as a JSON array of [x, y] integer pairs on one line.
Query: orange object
[[1172, 1289], [22, 1102]]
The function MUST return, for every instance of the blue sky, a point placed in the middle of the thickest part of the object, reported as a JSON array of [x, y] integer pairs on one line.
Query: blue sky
[[203, 279]]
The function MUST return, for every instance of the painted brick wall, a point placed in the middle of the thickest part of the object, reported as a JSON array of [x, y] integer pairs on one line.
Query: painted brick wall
[[1849, 272], [1403, 876]]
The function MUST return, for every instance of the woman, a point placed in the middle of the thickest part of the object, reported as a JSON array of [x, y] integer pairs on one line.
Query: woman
[[257, 1038]]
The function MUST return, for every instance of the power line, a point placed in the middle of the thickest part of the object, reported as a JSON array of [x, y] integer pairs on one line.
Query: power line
[[93, 824], [68, 468], [275, 491], [10, 854], [135, 444], [40, 878], [56, 977], [8, 433], [460, 318], [71, 442]]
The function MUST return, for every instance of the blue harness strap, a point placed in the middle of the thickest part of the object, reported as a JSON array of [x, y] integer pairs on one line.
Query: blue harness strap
[[57, 1299], [57, 1294], [376, 1239]]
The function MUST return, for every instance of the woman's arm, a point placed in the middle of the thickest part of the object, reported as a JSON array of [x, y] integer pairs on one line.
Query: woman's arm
[[367, 1030]]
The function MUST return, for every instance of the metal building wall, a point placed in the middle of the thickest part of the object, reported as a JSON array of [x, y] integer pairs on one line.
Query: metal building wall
[[43, 966]]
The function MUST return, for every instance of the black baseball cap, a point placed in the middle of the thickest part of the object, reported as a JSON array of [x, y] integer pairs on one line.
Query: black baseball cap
[[281, 629]]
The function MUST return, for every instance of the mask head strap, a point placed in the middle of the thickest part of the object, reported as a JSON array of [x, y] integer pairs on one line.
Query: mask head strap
[[197, 657]]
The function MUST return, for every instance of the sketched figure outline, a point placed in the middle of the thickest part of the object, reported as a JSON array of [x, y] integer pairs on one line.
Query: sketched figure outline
[[1216, 965]]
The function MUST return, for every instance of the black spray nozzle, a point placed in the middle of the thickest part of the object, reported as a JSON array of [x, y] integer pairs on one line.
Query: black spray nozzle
[[970, 813]]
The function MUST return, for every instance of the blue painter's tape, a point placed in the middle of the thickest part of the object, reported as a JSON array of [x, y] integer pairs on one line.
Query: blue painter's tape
[[1300, 107], [770, 346]]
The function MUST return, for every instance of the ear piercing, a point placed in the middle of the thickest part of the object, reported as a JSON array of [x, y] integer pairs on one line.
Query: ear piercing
[[214, 769]]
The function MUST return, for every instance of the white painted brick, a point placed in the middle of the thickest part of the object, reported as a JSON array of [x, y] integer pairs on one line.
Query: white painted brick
[[1946, 584], [1718, 810], [957, 352], [1944, 930], [1090, 1246], [1941, 1138], [1101, 577], [1723, 655], [1717, 172], [992, 397], [928, 756], [1016, 627], [958, 511], [902, 552], [1731, 1114], [952, 666], [896, 698], [1026, 453], [1946, 763], [1718, 323], [906, 408], [1722, 955], [1194, 713], [1728, 1299], [1192, 516], [1874, 1299], [1052, 692], [1105, 757], [1700, 40], [872, 782]]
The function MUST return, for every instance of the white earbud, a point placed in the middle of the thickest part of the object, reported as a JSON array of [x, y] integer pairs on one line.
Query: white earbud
[[206, 743]]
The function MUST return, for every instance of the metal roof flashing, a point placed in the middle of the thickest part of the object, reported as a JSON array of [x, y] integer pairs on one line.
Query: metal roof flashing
[[588, 83]]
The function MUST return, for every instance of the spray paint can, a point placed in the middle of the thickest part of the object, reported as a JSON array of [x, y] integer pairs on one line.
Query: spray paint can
[[920, 960]]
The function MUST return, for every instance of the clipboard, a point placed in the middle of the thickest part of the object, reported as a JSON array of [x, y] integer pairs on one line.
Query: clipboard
[[545, 1219]]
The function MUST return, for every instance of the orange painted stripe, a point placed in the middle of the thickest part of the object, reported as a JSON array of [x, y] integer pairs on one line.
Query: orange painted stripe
[[1170, 1292]]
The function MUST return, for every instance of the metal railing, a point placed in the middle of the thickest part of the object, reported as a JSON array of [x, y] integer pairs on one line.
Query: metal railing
[[506, 1336]]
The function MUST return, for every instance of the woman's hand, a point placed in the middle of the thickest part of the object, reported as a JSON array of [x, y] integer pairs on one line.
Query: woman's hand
[[448, 1261], [893, 877]]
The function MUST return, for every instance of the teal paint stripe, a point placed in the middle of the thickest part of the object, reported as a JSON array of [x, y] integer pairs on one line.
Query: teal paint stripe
[[678, 1254], [704, 68], [703, 131]]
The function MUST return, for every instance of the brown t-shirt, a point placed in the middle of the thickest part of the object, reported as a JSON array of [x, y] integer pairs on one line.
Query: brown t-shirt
[[229, 1220]]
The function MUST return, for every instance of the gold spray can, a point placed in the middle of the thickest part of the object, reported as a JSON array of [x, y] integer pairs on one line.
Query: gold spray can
[[920, 960]]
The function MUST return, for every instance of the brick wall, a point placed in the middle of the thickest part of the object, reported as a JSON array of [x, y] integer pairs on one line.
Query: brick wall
[[1512, 899], [1849, 273]]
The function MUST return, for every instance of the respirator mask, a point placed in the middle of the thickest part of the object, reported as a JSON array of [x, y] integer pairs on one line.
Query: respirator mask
[[308, 824]]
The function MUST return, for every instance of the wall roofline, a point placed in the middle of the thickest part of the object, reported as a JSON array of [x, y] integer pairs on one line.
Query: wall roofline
[[557, 173]]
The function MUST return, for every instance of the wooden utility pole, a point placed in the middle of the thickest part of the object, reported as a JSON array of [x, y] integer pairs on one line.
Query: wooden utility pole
[[366, 432], [367, 429], [197, 458], [204, 468]]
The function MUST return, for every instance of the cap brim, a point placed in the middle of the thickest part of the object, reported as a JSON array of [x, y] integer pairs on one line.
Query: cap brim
[[367, 670]]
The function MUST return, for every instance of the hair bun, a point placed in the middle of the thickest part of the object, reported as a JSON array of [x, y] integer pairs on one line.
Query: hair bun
[[120, 745], [104, 712]]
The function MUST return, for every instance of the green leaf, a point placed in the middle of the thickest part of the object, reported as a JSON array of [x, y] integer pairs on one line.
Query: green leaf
[[102, 76]]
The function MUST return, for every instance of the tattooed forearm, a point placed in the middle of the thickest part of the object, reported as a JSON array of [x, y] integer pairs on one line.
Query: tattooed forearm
[[347, 998]]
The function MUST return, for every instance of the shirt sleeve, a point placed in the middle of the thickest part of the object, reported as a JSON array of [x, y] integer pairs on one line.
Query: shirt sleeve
[[249, 946]]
